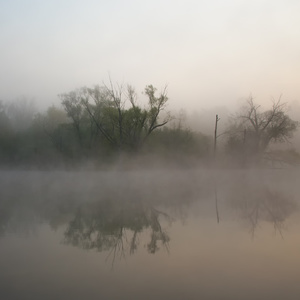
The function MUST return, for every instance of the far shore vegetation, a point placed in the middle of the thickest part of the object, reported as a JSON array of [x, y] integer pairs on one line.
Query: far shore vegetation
[[107, 126]]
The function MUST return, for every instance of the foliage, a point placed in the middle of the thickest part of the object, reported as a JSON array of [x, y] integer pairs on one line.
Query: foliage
[[95, 124], [104, 110], [104, 124], [179, 145], [7, 136]]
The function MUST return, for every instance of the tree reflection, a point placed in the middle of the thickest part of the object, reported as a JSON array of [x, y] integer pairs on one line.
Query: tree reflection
[[116, 226], [257, 204], [121, 220]]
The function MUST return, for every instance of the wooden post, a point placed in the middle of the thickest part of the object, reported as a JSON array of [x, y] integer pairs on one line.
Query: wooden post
[[216, 136]]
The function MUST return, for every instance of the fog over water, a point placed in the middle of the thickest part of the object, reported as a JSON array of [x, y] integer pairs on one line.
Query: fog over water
[[149, 150], [168, 234]]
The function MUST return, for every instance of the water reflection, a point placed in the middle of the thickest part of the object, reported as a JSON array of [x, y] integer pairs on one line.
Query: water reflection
[[258, 199], [256, 205], [115, 215], [115, 226], [133, 217]]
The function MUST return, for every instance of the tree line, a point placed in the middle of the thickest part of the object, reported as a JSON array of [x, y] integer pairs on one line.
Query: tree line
[[101, 124]]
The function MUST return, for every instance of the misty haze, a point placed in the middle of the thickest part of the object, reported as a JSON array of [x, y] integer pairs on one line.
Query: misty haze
[[149, 150]]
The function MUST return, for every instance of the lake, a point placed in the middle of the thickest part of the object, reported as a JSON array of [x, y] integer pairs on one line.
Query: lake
[[156, 234]]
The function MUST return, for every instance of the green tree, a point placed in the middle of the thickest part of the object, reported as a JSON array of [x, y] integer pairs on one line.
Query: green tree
[[53, 137], [114, 114], [72, 105], [7, 135]]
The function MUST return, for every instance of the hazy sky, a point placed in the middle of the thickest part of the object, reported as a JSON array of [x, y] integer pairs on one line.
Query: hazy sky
[[208, 52]]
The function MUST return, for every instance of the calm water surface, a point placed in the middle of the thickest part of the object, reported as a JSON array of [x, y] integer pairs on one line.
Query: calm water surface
[[150, 235]]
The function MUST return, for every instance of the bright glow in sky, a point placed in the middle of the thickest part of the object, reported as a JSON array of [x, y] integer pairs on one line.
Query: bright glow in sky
[[208, 52]]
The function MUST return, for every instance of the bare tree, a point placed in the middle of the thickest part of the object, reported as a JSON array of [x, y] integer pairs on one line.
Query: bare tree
[[254, 130]]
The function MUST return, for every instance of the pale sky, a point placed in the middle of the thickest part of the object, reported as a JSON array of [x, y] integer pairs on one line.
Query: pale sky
[[209, 53]]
